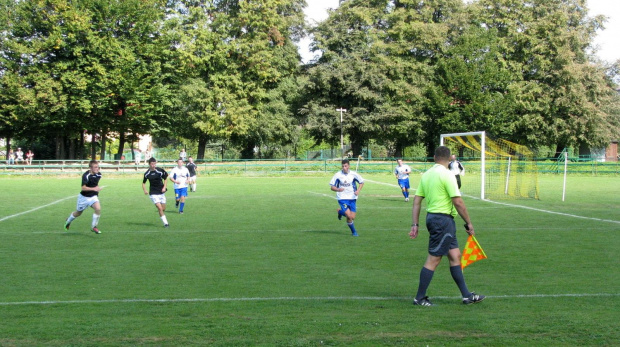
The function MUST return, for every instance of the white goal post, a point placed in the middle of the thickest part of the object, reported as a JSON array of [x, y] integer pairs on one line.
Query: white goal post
[[482, 135]]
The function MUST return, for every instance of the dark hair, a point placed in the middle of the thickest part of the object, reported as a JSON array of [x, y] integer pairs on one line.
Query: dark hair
[[442, 152], [152, 160], [345, 161], [90, 163]]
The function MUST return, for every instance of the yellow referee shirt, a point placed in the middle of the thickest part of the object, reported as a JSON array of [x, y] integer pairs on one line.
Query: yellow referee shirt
[[438, 186]]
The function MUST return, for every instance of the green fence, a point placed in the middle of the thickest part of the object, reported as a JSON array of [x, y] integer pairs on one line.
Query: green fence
[[266, 167]]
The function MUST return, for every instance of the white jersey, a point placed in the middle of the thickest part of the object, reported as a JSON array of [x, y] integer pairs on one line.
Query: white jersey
[[180, 174], [347, 181], [402, 171]]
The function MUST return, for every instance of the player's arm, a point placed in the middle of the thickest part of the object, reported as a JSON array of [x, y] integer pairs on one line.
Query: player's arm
[[337, 189], [459, 204], [415, 216], [359, 189]]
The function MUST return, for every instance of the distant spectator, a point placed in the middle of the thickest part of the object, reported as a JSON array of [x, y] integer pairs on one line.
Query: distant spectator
[[137, 156], [11, 157], [19, 156], [183, 154], [29, 156]]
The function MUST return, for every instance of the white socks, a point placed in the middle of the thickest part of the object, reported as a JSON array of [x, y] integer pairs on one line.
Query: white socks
[[95, 220]]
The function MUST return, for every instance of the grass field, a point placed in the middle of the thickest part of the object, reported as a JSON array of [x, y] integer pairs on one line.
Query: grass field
[[264, 261]]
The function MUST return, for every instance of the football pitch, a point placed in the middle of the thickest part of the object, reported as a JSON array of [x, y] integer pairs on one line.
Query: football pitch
[[264, 261]]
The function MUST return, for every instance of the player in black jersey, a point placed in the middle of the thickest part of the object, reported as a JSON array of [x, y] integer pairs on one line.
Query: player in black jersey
[[89, 196], [191, 167], [157, 187]]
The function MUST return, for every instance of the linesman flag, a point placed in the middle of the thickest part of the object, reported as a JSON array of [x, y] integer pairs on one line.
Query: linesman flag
[[472, 252]]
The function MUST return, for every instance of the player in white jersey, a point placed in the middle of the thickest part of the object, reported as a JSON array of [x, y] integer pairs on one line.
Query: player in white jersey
[[402, 172], [180, 176], [347, 184]]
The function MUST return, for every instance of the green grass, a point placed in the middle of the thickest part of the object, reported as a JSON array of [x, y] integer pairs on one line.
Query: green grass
[[264, 261]]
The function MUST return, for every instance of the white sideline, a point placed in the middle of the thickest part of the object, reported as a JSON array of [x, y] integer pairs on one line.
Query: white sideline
[[295, 298], [524, 207]]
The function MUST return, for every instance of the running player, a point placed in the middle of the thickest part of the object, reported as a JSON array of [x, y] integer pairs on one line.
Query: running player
[[157, 187], [89, 196], [402, 174], [345, 184], [180, 175]]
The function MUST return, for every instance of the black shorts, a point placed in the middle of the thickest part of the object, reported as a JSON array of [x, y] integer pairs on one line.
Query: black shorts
[[442, 234]]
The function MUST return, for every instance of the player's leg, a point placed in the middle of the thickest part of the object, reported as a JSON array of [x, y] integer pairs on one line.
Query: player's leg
[[96, 214], [351, 212], [81, 205], [177, 198], [182, 194]]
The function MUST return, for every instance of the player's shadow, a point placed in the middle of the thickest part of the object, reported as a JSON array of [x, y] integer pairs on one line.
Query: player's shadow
[[326, 232]]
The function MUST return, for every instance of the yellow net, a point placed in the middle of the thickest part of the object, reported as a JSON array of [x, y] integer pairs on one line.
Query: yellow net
[[510, 169]]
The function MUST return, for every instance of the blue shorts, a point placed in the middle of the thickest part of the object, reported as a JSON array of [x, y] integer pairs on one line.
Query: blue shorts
[[403, 183], [348, 204], [442, 234], [180, 192]]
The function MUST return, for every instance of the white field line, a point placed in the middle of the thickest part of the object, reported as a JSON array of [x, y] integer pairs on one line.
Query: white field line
[[524, 207], [36, 208], [40, 207], [294, 298]]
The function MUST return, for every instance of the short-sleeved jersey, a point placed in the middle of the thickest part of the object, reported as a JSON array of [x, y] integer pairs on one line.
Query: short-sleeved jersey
[[156, 180], [401, 171], [180, 174], [438, 186], [347, 181], [91, 181], [192, 169]]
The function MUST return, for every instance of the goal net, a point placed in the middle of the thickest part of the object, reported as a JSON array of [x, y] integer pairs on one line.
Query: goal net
[[494, 168]]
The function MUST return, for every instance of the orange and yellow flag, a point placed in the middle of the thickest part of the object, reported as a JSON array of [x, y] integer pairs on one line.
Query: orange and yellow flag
[[472, 252]]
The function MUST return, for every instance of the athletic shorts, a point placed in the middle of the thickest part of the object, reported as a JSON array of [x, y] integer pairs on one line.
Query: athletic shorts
[[348, 204], [158, 198], [84, 202], [180, 192], [192, 179], [403, 183], [442, 234]]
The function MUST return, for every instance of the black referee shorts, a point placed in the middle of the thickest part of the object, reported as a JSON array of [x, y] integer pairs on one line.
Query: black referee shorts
[[442, 234]]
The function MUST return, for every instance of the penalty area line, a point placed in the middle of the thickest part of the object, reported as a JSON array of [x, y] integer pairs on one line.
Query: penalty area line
[[293, 298]]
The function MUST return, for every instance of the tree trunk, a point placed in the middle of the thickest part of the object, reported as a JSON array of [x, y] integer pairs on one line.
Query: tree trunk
[[93, 146], [72, 148], [121, 146], [202, 146], [104, 139], [357, 145], [57, 149], [8, 147], [80, 154], [248, 151]]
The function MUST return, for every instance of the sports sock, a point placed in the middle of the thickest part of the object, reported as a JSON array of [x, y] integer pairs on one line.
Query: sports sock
[[181, 207], [164, 219], [194, 187], [95, 220], [341, 212], [352, 227], [71, 218], [459, 279], [426, 276], [406, 193]]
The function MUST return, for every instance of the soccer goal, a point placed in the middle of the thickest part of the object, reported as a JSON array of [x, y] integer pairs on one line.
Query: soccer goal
[[495, 168]]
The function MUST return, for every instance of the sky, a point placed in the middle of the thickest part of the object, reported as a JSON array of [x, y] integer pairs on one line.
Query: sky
[[606, 41]]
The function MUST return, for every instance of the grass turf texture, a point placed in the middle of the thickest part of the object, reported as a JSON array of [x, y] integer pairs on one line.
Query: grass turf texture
[[264, 261]]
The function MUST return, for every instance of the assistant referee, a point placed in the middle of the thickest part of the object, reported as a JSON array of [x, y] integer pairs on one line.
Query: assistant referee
[[443, 202]]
